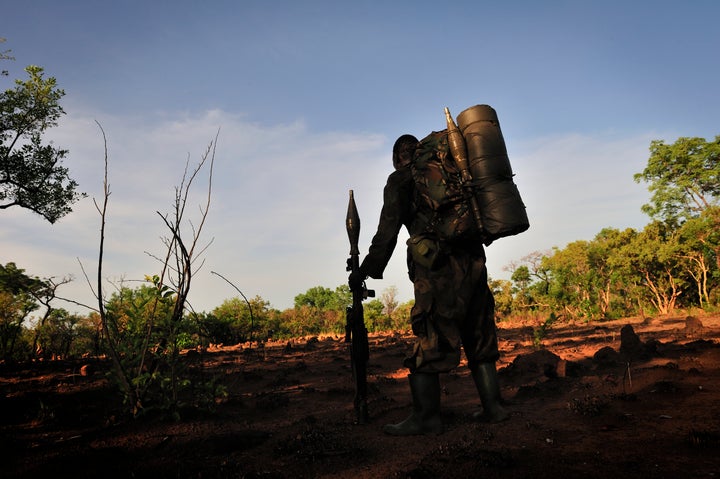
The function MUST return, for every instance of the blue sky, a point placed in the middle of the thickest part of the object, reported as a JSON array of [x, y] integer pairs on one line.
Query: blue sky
[[308, 98]]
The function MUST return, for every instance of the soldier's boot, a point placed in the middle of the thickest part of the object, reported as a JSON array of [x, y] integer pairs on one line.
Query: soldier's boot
[[486, 381], [425, 416]]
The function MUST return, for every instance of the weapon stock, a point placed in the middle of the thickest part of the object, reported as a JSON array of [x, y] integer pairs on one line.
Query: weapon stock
[[355, 331]]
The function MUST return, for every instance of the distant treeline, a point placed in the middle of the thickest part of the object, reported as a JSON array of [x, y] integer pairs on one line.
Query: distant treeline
[[674, 262], [617, 274]]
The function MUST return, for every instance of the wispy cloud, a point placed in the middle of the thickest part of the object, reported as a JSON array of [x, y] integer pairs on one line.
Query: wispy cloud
[[276, 220], [279, 199]]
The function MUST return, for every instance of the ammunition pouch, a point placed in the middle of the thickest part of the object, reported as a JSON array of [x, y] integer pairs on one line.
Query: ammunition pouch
[[424, 250]]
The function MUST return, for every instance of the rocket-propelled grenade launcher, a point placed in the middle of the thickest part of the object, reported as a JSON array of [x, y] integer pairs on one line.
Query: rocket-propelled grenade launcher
[[355, 331], [458, 150]]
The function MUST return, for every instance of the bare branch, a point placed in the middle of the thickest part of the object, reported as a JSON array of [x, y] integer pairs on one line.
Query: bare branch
[[252, 319], [91, 308], [87, 279]]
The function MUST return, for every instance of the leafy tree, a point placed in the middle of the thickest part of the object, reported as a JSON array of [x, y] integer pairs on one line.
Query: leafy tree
[[684, 181], [532, 278], [31, 172], [587, 277], [503, 292], [317, 297], [56, 336], [13, 311], [236, 320], [521, 280], [400, 318], [305, 320], [45, 294], [129, 309], [521, 277], [375, 320], [684, 177], [612, 287], [234, 323], [297, 321], [650, 259], [88, 334], [271, 323], [15, 281], [573, 281], [18, 298], [214, 330], [322, 309], [699, 247], [343, 297]]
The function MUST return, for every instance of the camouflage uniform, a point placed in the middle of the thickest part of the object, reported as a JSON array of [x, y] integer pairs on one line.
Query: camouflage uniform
[[454, 306], [397, 211]]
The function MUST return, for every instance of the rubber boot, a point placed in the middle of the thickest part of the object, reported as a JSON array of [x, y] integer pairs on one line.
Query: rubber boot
[[425, 416], [486, 381]]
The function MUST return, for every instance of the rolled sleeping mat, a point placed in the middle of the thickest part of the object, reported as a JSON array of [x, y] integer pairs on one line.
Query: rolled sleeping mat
[[503, 211]]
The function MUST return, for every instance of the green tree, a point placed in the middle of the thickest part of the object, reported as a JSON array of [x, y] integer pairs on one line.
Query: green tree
[[87, 336], [14, 309], [56, 336], [15, 281], [298, 321], [612, 287], [130, 308], [317, 297], [522, 280], [144, 333], [400, 318], [504, 296], [31, 172], [343, 297], [18, 298], [532, 278], [375, 320], [322, 309], [699, 246], [684, 178], [236, 320], [235, 323], [573, 281], [587, 276], [650, 260]]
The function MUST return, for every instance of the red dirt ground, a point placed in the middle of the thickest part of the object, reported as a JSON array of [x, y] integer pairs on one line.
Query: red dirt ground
[[594, 402]]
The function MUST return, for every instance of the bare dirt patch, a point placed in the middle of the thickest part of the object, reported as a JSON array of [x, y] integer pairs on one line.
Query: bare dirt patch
[[600, 400]]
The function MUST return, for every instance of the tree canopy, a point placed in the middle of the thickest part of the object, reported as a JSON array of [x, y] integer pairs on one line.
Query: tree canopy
[[684, 178], [31, 172]]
